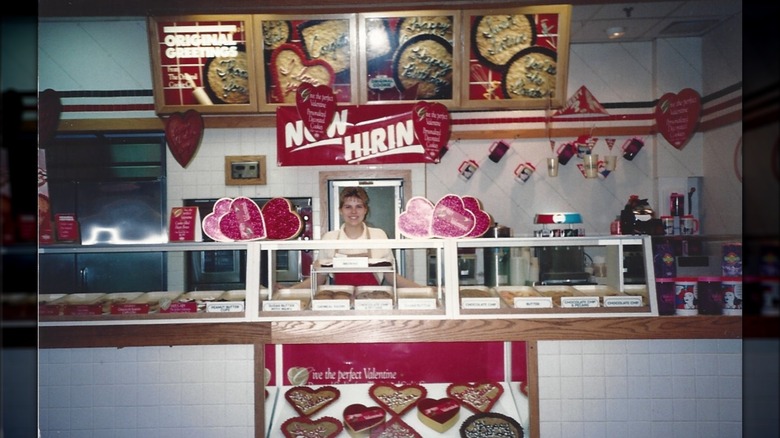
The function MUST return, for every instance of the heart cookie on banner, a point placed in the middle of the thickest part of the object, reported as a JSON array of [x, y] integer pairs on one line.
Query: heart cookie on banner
[[183, 133], [677, 116], [316, 106], [431, 121]]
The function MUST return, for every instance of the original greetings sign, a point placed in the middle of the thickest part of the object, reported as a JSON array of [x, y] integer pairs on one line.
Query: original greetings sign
[[399, 133]]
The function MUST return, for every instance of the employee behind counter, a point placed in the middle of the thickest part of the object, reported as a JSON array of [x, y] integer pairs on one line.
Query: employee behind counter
[[353, 208]]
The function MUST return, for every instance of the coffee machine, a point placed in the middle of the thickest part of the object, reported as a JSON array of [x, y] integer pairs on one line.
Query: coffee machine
[[497, 259]]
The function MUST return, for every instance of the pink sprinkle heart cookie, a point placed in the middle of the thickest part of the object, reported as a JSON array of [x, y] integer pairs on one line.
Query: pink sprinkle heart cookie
[[451, 218], [211, 221], [281, 221], [482, 219], [415, 221], [244, 221]]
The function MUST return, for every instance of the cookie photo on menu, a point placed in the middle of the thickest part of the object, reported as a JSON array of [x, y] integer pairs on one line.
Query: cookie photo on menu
[[495, 39], [424, 63], [227, 78], [276, 33], [530, 74], [328, 41]]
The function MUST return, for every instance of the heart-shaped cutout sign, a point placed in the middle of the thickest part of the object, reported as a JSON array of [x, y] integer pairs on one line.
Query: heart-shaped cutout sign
[[451, 218], [478, 397], [316, 106], [281, 222], [325, 427], [677, 116], [397, 398], [183, 133], [244, 221], [290, 69], [482, 219], [306, 401], [431, 121], [415, 221], [360, 418], [211, 221]]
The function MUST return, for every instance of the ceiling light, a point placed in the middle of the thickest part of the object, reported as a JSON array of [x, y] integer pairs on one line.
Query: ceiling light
[[616, 32]]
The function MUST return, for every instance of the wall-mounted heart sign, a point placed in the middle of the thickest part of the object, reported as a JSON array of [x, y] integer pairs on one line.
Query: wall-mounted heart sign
[[431, 126], [183, 133], [677, 116], [49, 110], [316, 106]]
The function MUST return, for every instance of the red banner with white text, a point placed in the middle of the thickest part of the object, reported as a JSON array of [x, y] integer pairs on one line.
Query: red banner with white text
[[374, 134]]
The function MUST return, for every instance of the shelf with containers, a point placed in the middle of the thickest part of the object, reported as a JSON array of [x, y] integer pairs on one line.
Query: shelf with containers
[[384, 301], [117, 289], [551, 277]]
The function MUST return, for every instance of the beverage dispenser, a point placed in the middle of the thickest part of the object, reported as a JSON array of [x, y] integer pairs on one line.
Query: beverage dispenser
[[497, 259]]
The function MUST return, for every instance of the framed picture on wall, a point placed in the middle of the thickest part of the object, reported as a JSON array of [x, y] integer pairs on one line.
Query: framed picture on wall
[[320, 50], [516, 58], [203, 62], [409, 56]]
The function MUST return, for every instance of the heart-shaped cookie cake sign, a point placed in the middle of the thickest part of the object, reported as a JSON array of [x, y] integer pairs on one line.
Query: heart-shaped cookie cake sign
[[397, 398], [431, 121], [211, 221], [325, 427], [183, 133], [677, 116], [316, 106], [415, 221], [290, 69], [440, 414], [478, 397], [482, 219]]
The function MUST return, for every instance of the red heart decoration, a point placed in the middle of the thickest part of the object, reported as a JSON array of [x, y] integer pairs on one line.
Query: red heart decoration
[[49, 110], [478, 397], [415, 221], [325, 427], [316, 106], [290, 69], [431, 121], [281, 222], [397, 398], [183, 133], [439, 414], [451, 218], [677, 116], [361, 418], [244, 221], [482, 219], [306, 401]]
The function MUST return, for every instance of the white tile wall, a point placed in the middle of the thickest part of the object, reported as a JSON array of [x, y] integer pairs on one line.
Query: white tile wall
[[172, 392], [652, 389]]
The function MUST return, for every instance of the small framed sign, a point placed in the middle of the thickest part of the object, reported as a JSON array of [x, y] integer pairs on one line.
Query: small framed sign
[[203, 62], [516, 58], [409, 56], [245, 170], [319, 50]]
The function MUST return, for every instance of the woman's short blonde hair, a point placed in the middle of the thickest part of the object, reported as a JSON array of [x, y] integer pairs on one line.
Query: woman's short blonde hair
[[353, 192]]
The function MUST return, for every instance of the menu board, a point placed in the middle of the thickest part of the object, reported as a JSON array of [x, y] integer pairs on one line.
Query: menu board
[[516, 58], [409, 56], [204, 63], [297, 49]]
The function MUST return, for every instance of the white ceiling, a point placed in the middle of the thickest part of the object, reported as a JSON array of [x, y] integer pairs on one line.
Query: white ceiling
[[648, 20]]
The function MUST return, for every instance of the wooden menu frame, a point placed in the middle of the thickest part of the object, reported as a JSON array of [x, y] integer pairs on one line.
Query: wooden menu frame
[[390, 40], [203, 62], [516, 58], [291, 47]]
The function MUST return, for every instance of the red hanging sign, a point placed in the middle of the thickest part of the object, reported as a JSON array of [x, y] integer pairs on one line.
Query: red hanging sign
[[360, 135]]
